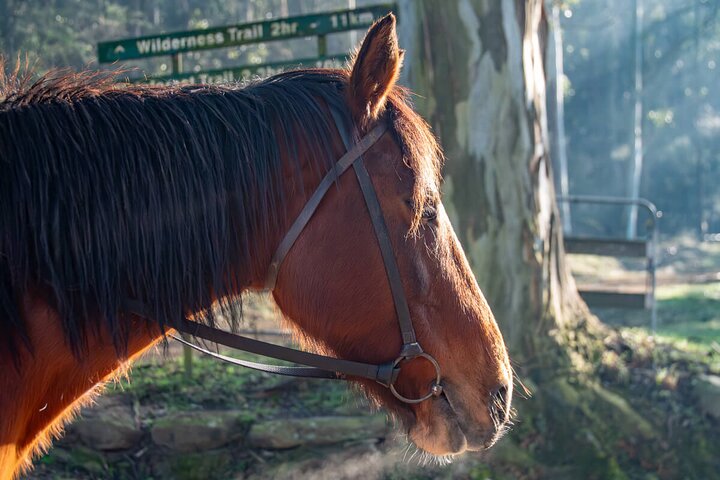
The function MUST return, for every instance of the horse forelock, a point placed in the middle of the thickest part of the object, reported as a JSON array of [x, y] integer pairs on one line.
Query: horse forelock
[[421, 151], [110, 191]]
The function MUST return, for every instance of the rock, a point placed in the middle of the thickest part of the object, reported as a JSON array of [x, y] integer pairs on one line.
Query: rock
[[198, 431], [108, 427], [707, 388], [82, 458], [289, 433]]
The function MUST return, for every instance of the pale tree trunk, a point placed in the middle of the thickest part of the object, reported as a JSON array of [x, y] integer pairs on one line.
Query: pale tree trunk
[[478, 70]]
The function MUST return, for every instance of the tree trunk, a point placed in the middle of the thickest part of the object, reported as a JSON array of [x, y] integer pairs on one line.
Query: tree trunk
[[478, 68]]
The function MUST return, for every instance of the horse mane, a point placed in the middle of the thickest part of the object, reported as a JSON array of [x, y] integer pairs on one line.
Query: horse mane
[[109, 190]]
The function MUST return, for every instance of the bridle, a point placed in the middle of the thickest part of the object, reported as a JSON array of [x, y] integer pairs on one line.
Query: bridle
[[320, 366]]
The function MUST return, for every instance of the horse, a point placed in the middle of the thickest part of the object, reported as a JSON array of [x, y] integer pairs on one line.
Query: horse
[[178, 197]]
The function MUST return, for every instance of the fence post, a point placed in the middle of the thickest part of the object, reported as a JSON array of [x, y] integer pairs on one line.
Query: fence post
[[176, 67], [322, 46]]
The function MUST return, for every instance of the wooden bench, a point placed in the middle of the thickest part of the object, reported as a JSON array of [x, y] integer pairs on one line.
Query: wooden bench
[[611, 247], [619, 296]]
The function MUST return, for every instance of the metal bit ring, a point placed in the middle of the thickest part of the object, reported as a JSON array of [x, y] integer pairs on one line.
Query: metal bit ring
[[435, 389]]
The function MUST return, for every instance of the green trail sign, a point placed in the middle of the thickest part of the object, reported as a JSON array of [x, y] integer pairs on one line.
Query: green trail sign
[[319, 24], [233, 74]]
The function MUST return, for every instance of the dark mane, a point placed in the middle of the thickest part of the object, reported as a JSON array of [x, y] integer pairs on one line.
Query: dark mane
[[110, 191]]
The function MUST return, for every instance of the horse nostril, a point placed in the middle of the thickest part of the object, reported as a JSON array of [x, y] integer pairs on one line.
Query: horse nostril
[[498, 404]]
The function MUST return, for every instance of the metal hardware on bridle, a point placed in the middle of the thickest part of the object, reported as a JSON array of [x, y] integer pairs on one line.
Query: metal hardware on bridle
[[319, 366], [435, 389]]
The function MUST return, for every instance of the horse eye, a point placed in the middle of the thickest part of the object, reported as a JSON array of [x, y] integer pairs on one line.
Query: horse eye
[[429, 213]]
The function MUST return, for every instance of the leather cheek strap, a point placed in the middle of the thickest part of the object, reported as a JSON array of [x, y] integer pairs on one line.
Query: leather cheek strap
[[410, 345]]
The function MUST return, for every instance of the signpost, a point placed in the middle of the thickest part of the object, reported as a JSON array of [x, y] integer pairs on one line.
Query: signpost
[[237, 73], [175, 43]]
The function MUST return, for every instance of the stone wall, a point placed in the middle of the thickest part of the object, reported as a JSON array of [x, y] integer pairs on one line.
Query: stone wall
[[110, 440]]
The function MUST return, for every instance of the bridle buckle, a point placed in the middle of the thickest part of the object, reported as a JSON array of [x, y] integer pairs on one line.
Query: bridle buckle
[[411, 350]]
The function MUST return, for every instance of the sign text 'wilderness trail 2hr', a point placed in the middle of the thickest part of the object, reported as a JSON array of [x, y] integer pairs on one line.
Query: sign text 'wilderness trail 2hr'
[[240, 34]]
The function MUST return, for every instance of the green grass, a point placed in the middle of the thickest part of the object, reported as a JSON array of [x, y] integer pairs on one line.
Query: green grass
[[162, 384], [688, 319], [693, 334], [700, 301], [690, 314]]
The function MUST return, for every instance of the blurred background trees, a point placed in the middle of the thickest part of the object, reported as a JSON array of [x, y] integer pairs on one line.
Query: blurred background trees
[[681, 109], [680, 63], [64, 33]]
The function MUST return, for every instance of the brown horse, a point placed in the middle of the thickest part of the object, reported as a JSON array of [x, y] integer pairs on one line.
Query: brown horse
[[178, 197]]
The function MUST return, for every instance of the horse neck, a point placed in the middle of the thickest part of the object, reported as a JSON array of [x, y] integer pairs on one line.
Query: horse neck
[[51, 384]]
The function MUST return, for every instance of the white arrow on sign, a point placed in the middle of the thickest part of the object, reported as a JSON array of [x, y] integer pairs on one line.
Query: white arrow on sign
[[119, 49]]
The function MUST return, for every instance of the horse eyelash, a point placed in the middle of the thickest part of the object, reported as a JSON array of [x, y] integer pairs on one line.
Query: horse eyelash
[[429, 211]]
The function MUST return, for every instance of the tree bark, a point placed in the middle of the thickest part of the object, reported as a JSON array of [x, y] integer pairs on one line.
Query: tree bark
[[478, 69]]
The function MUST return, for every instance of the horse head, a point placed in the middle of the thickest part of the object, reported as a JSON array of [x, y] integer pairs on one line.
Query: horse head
[[334, 288]]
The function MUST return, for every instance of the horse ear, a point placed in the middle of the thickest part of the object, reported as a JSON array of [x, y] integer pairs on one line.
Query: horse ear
[[375, 69]]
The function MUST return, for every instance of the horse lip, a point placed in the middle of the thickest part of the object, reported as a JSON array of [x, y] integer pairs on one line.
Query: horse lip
[[452, 417], [471, 446], [454, 411], [405, 415], [449, 414]]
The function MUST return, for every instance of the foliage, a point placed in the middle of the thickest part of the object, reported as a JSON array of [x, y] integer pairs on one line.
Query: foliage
[[681, 110], [63, 33]]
